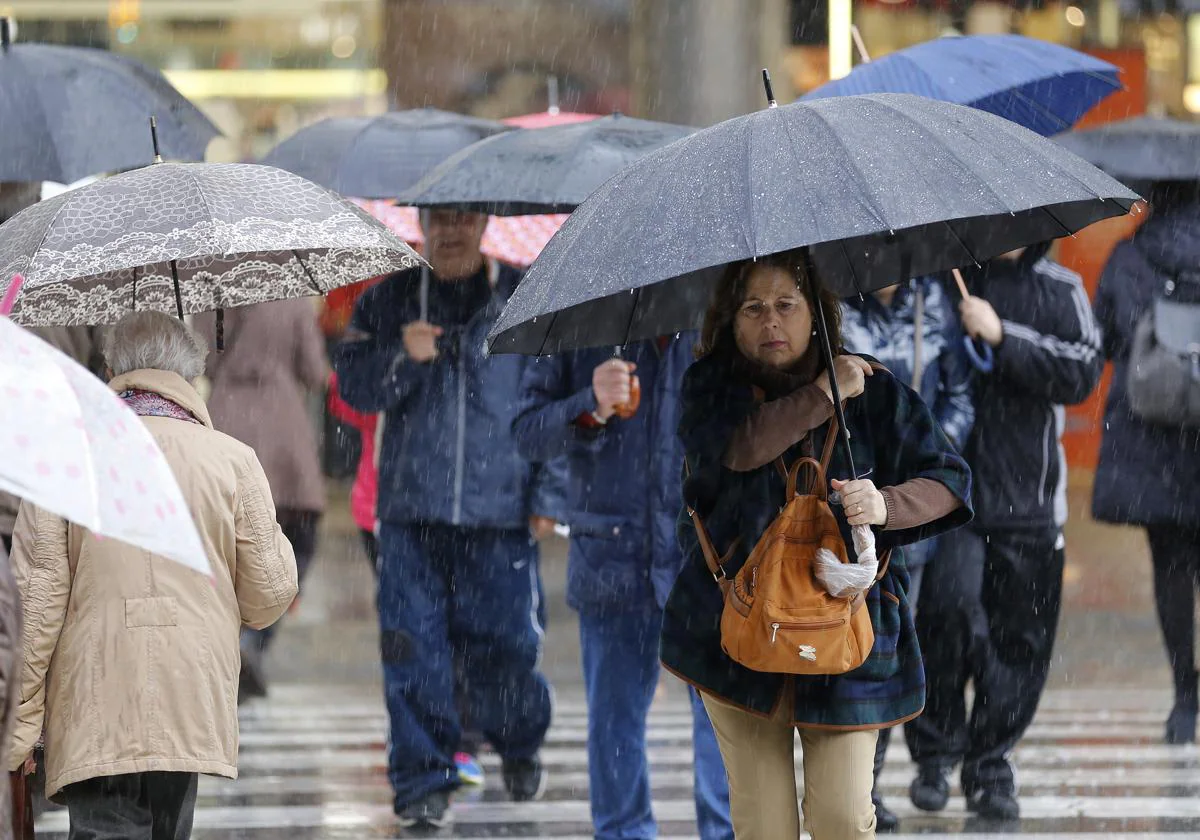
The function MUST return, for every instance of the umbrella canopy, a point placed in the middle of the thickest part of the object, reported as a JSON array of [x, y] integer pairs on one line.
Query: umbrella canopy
[[541, 170], [70, 446], [1042, 86], [186, 238], [378, 157], [70, 112], [880, 188], [516, 240], [1141, 149]]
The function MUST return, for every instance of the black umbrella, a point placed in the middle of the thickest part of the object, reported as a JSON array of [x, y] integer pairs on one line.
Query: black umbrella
[[70, 112], [1141, 149], [378, 157], [541, 170], [186, 238], [879, 188]]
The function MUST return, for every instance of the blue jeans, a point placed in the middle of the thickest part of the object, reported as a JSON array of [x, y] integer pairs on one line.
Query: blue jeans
[[470, 596], [620, 672]]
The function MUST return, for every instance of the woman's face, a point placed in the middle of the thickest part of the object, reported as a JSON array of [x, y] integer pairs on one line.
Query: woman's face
[[774, 324]]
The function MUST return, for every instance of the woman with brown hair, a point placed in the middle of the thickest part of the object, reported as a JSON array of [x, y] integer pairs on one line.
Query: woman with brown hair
[[760, 392]]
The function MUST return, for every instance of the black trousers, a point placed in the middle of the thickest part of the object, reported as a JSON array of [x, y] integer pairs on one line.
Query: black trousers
[[1176, 556], [135, 806], [989, 614]]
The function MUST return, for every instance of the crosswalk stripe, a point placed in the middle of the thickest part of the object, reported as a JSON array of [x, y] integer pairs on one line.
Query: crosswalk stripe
[[315, 761]]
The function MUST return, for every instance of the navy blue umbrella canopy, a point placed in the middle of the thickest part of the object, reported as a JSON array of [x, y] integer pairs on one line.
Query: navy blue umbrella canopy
[[378, 157], [540, 170], [70, 112], [1141, 149], [880, 188], [1042, 86]]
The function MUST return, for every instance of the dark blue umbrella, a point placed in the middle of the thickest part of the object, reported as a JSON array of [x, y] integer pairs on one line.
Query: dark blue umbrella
[[1141, 149], [378, 157], [540, 170], [1042, 86], [70, 112]]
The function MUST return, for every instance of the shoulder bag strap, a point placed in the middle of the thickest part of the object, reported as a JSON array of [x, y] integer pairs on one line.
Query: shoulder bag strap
[[714, 561]]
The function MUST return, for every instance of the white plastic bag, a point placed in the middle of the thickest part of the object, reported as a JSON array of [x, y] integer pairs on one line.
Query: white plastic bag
[[845, 580]]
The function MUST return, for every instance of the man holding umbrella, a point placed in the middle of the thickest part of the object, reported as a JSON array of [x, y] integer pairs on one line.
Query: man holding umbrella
[[458, 570], [990, 602], [623, 501]]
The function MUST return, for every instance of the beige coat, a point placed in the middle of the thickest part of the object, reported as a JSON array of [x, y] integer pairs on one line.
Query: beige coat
[[274, 353], [130, 660], [10, 675]]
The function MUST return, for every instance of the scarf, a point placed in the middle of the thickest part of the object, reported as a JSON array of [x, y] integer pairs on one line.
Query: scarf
[[150, 404], [779, 383]]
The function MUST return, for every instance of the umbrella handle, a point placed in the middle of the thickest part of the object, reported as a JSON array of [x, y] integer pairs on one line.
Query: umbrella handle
[[980, 354]]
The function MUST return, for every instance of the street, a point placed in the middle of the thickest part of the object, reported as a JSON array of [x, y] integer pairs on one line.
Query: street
[[313, 764]]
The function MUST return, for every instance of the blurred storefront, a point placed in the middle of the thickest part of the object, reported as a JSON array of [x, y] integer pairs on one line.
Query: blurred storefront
[[259, 68]]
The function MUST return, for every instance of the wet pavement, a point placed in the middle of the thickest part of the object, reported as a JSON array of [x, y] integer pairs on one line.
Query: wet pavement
[[313, 765]]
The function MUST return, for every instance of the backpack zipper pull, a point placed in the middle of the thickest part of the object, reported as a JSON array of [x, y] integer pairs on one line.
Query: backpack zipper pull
[[774, 632]]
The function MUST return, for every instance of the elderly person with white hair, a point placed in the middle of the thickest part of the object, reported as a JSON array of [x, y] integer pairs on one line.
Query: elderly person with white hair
[[130, 660]]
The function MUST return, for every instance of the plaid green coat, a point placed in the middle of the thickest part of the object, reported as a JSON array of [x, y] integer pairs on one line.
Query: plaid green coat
[[894, 438]]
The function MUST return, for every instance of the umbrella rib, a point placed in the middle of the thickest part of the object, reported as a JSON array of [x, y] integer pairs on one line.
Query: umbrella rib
[[637, 294], [960, 242], [1058, 221], [312, 281]]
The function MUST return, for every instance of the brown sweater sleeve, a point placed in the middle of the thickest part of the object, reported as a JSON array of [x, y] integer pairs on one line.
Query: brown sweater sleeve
[[775, 427], [917, 502]]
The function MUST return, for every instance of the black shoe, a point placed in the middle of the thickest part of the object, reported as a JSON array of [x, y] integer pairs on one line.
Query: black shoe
[[994, 805], [930, 791], [1181, 725], [886, 820], [429, 813], [524, 779]]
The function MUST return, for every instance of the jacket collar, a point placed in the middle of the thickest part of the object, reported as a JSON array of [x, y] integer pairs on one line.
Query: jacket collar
[[166, 384]]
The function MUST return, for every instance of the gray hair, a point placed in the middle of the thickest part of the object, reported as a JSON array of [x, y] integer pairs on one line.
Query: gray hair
[[154, 341]]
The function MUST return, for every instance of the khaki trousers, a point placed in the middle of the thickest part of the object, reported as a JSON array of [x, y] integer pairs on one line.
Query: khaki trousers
[[760, 764]]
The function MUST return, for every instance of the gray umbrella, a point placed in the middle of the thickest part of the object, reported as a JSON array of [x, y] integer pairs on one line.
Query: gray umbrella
[[70, 112], [540, 170], [378, 157], [186, 238], [1141, 149], [880, 188]]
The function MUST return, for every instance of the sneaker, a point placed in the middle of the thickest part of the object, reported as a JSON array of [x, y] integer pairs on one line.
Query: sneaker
[[470, 771], [430, 812], [930, 791], [994, 805], [886, 820], [524, 779]]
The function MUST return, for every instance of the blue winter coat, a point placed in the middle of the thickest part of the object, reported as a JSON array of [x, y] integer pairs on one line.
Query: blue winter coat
[[1148, 473], [447, 454], [623, 487]]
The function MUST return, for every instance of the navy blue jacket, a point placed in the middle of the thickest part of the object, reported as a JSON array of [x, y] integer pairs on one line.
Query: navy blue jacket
[[1148, 473], [624, 491], [447, 454]]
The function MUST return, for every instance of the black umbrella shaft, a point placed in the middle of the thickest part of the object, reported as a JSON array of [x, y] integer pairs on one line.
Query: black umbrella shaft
[[827, 353], [154, 140], [769, 89], [178, 291], [5, 32]]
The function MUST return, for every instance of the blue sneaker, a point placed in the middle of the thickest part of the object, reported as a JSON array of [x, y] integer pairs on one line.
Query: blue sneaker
[[470, 771]]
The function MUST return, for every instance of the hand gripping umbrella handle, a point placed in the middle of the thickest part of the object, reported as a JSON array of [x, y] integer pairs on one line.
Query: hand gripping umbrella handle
[[979, 353]]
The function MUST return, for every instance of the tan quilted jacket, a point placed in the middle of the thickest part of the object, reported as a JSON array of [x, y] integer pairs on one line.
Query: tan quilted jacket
[[130, 660]]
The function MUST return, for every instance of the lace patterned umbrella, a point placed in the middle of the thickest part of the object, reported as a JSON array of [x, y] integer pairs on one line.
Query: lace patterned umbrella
[[187, 238]]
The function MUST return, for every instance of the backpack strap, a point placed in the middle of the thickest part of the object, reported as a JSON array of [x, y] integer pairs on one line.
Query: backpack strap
[[714, 561]]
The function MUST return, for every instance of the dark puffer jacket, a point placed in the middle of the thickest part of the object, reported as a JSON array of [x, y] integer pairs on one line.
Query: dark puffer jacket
[[1148, 473]]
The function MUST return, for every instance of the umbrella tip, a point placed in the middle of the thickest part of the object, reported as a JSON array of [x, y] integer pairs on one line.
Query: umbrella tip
[[154, 139], [766, 78], [6, 31]]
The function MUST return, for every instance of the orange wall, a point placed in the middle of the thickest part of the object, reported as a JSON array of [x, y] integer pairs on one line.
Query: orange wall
[[1089, 250]]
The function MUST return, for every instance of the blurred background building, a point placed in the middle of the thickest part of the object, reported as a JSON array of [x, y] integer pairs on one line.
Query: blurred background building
[[261, 68]]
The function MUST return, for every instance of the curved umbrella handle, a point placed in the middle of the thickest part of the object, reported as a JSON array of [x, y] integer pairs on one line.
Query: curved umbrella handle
[[980, 354]]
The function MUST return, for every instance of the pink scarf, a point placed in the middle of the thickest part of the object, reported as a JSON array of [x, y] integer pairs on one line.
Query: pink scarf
[[150, 404]]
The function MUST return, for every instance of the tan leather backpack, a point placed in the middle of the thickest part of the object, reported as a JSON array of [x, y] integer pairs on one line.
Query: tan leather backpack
[[777, 618]]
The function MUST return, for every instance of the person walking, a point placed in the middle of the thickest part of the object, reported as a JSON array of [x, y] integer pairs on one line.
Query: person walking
[[758, 341], [1150, 464], [130, 660], [991, 597], [460, 512], [273, 356], [621, 509], [913, 331]]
